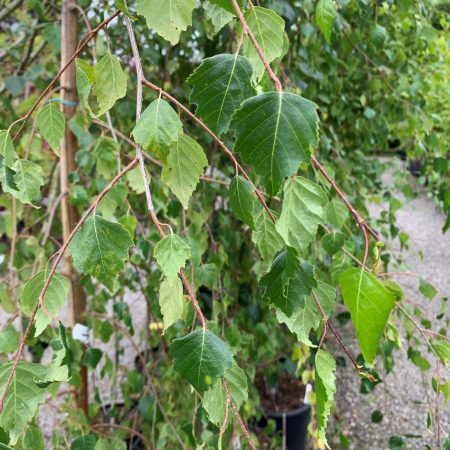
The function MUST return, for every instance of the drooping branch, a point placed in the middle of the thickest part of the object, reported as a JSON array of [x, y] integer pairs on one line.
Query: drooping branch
[[58, 257], [183, 277], [140, 157]]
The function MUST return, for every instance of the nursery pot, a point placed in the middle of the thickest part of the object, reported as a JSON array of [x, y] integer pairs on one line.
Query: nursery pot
[[293, 425]]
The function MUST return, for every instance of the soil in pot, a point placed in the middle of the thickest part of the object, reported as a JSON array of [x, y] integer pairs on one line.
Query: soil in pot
[[284, 404]]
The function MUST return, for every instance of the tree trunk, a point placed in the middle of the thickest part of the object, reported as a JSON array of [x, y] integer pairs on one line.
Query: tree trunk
[[70, 217]]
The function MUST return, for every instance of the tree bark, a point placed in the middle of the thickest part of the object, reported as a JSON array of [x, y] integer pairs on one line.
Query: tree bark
[[70, 217]]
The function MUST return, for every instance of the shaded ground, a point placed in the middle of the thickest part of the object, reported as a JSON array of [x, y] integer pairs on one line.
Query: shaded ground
[[405, 395]]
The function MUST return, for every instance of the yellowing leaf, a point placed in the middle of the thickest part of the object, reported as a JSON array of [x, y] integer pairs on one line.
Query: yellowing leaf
[[302, 212], [53, 301], [171, 300], [185, 166], [51, 123], [325, 390], [325, 16], [110, 83], [167, 18], [268, 28], [171, 253], [158, 128]]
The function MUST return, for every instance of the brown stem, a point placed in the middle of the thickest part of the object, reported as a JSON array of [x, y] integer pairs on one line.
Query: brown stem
[[57, 260], [63, 69], [238, 417], [359, 220], [258, 49]]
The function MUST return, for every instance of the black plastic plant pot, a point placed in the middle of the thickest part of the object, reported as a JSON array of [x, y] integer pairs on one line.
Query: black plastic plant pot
[[295, 424]]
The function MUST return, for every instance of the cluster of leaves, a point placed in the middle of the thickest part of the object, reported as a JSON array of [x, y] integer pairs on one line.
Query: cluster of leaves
[[257, 272]]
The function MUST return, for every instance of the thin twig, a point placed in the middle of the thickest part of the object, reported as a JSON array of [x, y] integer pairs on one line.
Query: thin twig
[[258, 49], [238, 417]]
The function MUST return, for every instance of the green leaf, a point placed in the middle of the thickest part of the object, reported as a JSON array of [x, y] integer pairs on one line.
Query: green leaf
[[9, 340], [59, 370], [85, 77], [325, 15], [325, 389], [6, 148], [214, 400], [268, 28], [106, 151], [92, 357], [168, 19], [242, 201], [171, 301], [288, 281], [201, 357], [84, 442], [266, 237], [54, 298], [442, 349], [214, 403], [302, 212], [427, 289], [227, 5], [220, 84], [158, 128], [171, 252], [33, 439], [274, 134], [307, 316], [22, 398], [186, 163], [370, 304], [332, 242], [336, 213], [51, 123], [110, 83], [27, 180], [219, 17], [108, 444], [100, 248]]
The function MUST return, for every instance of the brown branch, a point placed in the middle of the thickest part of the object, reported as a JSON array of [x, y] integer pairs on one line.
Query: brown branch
[[59, 256], [258, 49], [91, 36]]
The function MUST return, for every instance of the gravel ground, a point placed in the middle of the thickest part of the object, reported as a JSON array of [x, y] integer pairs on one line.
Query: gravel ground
[[406, 394]]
